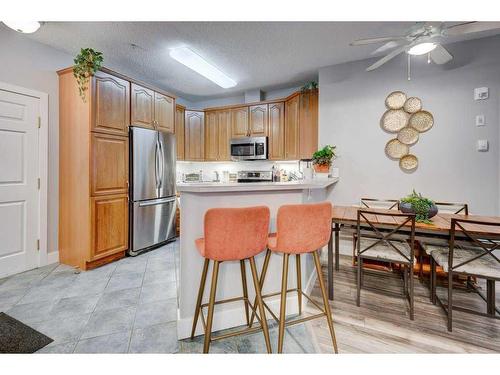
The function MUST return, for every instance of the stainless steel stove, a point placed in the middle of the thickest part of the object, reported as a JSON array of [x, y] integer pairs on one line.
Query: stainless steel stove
[[255, 176]]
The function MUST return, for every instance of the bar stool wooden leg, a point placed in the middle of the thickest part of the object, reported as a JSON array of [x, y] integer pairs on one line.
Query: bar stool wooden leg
[[284, 285], [360, 269], [261, 281], [326, 304], [262, 310], [245, 290], [211, 303], [200, 296], [412, 297], [299, 282]]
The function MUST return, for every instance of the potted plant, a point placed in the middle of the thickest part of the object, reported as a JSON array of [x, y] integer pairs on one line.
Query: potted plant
[[87, 62], [309, 86], [322, 159], [422, 207]]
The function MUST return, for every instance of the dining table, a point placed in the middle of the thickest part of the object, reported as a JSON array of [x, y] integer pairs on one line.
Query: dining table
[[437, 231]]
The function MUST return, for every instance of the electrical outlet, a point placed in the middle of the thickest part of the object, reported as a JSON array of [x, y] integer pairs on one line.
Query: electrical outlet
[[480, 121], [482, 145]]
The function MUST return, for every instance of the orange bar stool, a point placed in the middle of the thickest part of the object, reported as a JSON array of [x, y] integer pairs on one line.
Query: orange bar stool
[[232, 234], [301, 229]]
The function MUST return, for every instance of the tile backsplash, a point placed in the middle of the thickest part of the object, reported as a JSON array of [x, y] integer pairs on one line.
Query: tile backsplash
[[209, 168]]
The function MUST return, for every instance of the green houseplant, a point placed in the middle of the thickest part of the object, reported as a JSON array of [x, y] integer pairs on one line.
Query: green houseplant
[[422, 207], [87, 62], [309, 86], [322, 159]]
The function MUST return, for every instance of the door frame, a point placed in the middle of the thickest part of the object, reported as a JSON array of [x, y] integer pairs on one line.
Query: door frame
[[43, 166]]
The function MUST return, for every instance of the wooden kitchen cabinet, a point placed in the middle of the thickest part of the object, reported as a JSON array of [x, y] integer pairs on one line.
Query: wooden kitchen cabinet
[[224, 127], [257, 125], [292, 128], [109, 225], [179, 131], [276, 122], [164, 112], [142, 107], [211, 136], [109, 169], [308, 124], [239, 122], [194, 133], [110, 104]]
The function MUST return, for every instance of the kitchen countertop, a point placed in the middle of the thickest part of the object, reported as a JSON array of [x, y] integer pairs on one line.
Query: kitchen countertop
[[216, 187]]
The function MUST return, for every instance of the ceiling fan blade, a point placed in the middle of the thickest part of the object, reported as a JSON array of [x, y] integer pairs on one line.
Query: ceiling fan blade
[[387, 46], [440, 55], [470, 27], [386, 58], [362, 42]]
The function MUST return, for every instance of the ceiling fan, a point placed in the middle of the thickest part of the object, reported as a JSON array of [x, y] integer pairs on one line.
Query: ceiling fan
[[423, 38]]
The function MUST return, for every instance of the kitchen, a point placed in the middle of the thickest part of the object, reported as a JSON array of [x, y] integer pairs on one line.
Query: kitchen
[[141, 164]]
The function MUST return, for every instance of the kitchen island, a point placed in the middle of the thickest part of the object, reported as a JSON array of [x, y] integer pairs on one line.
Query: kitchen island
[[195, 200]]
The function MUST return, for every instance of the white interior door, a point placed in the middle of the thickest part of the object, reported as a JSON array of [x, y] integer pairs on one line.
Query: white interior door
[[19, 194]]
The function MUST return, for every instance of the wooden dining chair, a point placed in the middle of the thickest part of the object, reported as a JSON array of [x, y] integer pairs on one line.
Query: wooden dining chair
[[475, 258], [390, 246]]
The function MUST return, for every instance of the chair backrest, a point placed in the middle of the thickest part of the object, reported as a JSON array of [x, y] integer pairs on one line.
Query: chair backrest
[[453, 208], [303, 228], [389, 204], [236, 233], [482, 235], [386, 228]]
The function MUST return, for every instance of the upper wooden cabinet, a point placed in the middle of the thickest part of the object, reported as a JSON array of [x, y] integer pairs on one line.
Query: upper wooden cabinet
[[194, 142], [142, 107], [224, 122], [109, 171], [292, 128], [276, 123], [308, 119], [179, 131], [217, 135], [239, 122], [211, 135], [152, 110], [257, 126], [164, 112], [110, 104]]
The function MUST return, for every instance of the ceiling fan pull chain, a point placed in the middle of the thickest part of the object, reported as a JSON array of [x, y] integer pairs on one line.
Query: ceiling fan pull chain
[[409, 68], [429, 58]]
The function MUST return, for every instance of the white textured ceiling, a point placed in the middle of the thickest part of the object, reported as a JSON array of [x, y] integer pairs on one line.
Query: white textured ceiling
[[264, 55]]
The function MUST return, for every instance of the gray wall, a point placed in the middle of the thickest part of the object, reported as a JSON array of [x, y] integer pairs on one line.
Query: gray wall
[[450, 168], [33, 65]]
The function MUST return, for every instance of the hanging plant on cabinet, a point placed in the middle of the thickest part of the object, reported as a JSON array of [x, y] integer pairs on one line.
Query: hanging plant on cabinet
[[87, 62]]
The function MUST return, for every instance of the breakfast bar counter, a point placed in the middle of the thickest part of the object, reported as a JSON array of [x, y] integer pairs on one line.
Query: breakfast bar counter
[[195, 200]]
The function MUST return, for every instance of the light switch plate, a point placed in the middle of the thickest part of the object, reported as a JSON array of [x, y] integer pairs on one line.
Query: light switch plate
[[482, 145], [481, 93], [480, 121]]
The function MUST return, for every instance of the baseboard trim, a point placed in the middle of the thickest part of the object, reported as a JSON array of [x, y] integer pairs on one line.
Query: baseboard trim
[[234, 317], [53, 257]]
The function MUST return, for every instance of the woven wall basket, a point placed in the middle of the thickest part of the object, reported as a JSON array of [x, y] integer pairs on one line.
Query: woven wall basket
[[408, 162], [395, 149], [412, 105], [395, 100], [408, 135], [394, 120], [421, 121]]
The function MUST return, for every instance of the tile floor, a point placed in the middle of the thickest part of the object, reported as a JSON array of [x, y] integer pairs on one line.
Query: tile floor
[[129, 306]]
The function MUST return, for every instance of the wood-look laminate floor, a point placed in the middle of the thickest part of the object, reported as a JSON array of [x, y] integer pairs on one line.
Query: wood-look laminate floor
[[382, 325]]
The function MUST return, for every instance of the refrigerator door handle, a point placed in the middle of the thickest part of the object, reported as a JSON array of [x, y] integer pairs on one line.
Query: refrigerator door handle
[[156, 201], [157, 173], [162, 165]]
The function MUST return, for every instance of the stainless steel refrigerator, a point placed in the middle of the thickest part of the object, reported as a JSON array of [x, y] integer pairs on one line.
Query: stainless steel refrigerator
[[153, 203]]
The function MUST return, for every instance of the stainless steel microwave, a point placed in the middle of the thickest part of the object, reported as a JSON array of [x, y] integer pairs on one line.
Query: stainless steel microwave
[[250, 148]]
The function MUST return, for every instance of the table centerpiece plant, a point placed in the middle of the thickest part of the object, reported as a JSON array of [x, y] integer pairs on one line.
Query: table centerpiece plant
[[323, 158], [423, 208]]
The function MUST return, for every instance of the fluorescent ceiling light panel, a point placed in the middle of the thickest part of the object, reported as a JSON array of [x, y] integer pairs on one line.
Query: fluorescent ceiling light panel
[[422, 48], [192, 60], [26, 27]]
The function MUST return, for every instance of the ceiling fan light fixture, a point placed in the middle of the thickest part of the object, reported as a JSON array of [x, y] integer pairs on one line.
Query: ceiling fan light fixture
[[422, 48], [192, 60], [25, 27]]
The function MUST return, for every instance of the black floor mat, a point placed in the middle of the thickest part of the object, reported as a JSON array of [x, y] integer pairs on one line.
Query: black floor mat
[[17, 337]]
